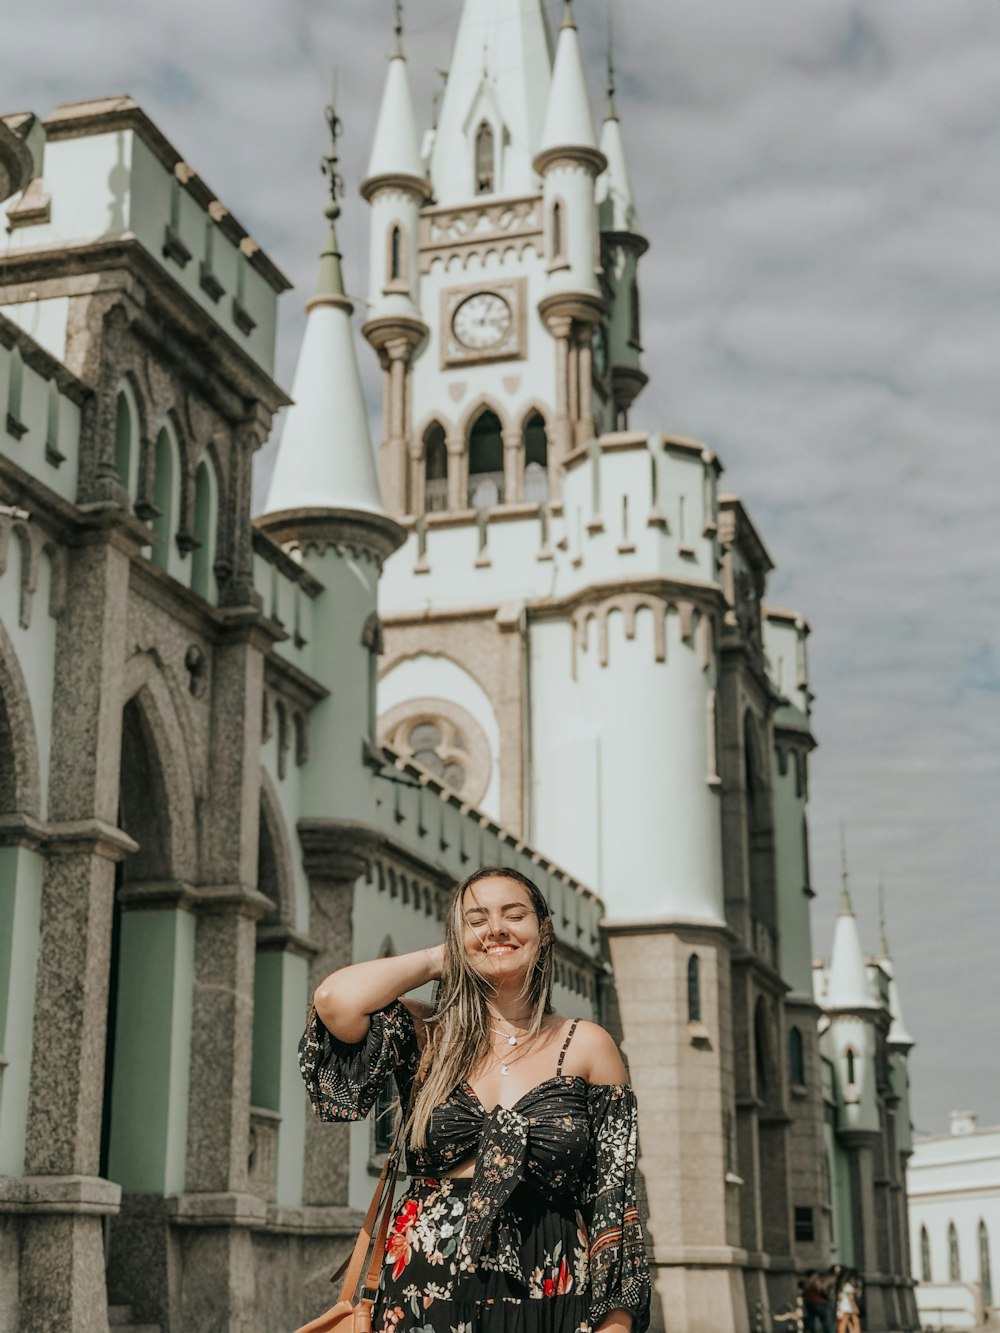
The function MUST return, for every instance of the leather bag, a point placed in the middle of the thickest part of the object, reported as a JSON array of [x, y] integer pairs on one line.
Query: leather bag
[[352, 1314]]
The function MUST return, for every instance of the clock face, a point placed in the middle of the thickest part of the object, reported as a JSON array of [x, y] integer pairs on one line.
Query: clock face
[[482, 321]]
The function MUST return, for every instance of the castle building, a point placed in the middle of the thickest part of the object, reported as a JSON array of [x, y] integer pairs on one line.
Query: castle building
[[236, 754]]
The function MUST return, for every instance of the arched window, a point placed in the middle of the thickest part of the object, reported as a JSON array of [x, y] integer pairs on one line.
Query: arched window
[[925, 1256], [485, 160], [796, 1059], [396, 254], [52, 450], [762, 1057], [163, 497], [486, 462], [694, 990], [852, 1069], [205, 508], [558, 236], [985, 1276], [123, 439], [536, 460], [435, 470], [15, 426], [635, 315], [954, 1266]]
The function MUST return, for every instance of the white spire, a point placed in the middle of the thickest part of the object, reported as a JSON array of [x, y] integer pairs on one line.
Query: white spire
[[325, 458], [898, 1032], [615, 199], [396, 147], [501, 71], [568, 122], [848, 987]]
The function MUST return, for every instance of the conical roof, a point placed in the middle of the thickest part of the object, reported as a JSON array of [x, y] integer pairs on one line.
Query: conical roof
[[325, 458], [568, 122], [898, 1032], [396, 146], [847, 986], [616, 202]]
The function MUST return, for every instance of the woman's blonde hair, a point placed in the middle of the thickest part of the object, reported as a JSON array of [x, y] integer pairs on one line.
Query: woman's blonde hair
[[459, 1029]]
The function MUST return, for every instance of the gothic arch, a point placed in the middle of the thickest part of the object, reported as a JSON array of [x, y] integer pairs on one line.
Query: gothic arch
[[432, 419], [19, 782], [534, 409], [163, 734], [484, 403], [274, 858]]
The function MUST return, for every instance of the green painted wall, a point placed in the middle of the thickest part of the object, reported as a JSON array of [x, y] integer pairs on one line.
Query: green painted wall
[[152, 1052], [20, 912], [280, 1002]]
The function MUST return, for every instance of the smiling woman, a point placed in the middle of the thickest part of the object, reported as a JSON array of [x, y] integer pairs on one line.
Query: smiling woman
[[521, 1135]]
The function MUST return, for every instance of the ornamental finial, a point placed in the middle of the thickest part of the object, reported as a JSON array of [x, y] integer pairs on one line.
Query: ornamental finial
[[398, 52], [845, 893], [568, 20], [612, 113], [331, 278], [883, 942]]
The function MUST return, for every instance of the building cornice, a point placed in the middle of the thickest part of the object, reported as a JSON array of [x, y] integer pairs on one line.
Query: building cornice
[[207, 341], [41, 361], [592, 159], [374, 533], [397, 180], [627, 240], [77, 120]]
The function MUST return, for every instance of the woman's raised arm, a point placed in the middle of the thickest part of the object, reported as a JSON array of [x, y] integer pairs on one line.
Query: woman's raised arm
[[346, 998]]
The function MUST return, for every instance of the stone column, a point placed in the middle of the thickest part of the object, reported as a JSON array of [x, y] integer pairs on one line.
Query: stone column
[[458, 485], [418, 477], [585, 420], [513, 467], [62, 1260], [398, 351], [692, 1238], [216, 1212], [861, 1147], [560, 328]]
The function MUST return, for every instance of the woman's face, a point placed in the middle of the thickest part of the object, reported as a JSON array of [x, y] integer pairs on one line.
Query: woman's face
[[500, 929]]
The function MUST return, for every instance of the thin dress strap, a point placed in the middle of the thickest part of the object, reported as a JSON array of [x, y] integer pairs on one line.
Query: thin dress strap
[[565, 1045]]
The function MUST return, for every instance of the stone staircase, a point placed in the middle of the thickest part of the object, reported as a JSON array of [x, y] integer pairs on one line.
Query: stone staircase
[[120, 1320]]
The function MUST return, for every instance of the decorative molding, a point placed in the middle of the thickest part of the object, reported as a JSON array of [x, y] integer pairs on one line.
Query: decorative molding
[[476, 229], [353, 529]]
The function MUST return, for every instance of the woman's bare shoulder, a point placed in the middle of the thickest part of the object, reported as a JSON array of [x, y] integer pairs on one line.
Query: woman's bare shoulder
[[594, 1053]]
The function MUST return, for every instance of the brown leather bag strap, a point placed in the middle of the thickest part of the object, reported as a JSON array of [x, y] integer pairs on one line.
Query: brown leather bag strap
[[378, 1253], [353, 1266]]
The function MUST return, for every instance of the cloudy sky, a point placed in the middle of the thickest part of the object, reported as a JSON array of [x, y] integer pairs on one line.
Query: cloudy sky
[[819, 180]]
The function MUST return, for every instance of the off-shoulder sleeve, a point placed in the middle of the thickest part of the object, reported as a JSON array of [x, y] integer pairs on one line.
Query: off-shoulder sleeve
[[344, 1079], [619, 1274]]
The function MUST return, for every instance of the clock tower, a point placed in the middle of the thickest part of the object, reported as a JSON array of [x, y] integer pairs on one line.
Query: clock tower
[[494, 289]]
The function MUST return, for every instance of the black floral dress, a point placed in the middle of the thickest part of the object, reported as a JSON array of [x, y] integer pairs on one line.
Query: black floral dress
[[544, 1237]]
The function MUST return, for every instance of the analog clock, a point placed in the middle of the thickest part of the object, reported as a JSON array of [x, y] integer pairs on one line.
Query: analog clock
[[482, 321]]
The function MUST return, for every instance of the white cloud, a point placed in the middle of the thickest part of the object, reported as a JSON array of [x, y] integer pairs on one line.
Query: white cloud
[[819, 185]]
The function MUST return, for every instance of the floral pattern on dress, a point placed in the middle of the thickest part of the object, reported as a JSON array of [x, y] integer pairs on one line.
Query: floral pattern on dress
[[566, 1150]]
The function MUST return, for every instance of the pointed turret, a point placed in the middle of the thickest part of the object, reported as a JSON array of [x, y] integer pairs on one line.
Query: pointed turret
[[899, 1036], [396, 146], [624, 246], [615, 198], [568, 122], [848, 986], [325, 470], [493, 110]]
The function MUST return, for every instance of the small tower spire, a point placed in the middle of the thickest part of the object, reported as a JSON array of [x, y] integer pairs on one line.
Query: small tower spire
[[330, 281], [397, 52], [883, 942], [612, 111], [845, 893]]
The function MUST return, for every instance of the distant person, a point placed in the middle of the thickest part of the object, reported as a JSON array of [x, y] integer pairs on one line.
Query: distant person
[[848, 1308], [521, 1143]]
